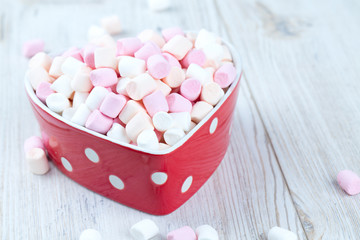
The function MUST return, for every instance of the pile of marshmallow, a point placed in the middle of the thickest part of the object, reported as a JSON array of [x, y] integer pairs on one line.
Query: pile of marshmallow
[[149, 90]]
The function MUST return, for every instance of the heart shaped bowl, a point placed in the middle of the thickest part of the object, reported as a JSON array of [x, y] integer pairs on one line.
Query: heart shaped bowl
[[155, 182]]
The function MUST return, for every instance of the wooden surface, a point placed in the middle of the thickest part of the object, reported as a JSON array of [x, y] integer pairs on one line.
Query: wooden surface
[[297, 122]]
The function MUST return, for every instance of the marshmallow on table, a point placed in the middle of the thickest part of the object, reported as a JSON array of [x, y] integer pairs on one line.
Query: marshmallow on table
[[172, 60], [206, 232], [175, 77], [169, 33], [191, 89], [200, 110], [182, 120], [131, 67], [162, 121], [201, 74], [118, 132], [158, 67], [37, 161], [130, 110], [36, 76], [349, 182], [184, 233], [111, 24], [81, 114], [121, 85], [147, 50], [137, 124], [158, 5], [277, 233], [31, 47], [68, 113], [225, 75], [81, 81], [43, 90], [163, 87], [96, 97], [71, 66], [151, 35], [128, 46], [104, 77], [211, 93], [141, 86], [90, 234], [178, 103], [144, 230], [95, 32], [63, 85], [79, 98], [155, 102], [55, 69], [89, 55], [173, 135], [40, 59], [112, 104], [148, 139], [57, 102], [33, 142], [98, 122], [105, 57], [178, 46], [196, 56]]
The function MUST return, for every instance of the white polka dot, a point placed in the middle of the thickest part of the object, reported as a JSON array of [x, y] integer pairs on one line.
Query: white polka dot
[[186, 185], [92, 155], [213, 125], [116, 182], [159, 178], [66, 164]]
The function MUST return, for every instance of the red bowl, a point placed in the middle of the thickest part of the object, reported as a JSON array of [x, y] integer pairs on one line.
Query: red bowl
[[155, 182]]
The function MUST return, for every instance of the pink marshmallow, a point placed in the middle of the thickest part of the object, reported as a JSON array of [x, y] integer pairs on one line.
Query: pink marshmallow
[[75, 53], [98, 122], [89, 55], [147, 50], [43, 91], [349, 182], [169, 33], [104, 77], [32, 47], [33, 142], [128, 46], [184, 233], [178, 103], [155, 102], [194, 56], [191, 89], [225, 75], [158, 67], [172, 60], [112, 104]]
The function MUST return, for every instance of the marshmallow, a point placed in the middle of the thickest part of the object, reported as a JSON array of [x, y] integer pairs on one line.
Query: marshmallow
[[81, 114], [105, 41], [184, 233], [137, 124], [206, 232], [201, 74], [172, 60], [118, 132], [89, 55], [130, 110], [194, 56], [144, 230], [169, 33], [163, 146], [31, 47], [191, 36], [163, 87], [141, 86], [57, 102], [33, 142], [96, 97], [173, 135], [79, 98], [211, 93], [98, 122], [178, 46], [191, 89], [182, 120], [148, 139], [277, 233], [147, 50], [95, 32], [204, 38], [112, 104], [90, 234], [63, 85], [121, 85], [155, 102], [37, 161], [158, 67], [178, 103], [192, 125], [43, 90], [105, 57], [214, 54], [75, 53], [158, 5], [36, 76], [150, 35], [111, 24], [128, 46], [225, 75], [81, 81], [68, 113], [131, 67], [71, 66], [175, 77], [226, 54], [162, 121], [349, 182], [40, 59], [200, 110], [55, 69], [104, 77]]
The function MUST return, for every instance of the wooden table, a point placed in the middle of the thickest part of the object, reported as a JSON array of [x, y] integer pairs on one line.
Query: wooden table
[[297, 122]]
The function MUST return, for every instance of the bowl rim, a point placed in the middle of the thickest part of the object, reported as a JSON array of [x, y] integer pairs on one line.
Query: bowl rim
[[237, 62]]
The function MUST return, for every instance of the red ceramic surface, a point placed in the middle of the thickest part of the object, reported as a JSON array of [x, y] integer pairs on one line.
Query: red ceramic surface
[[125, 172]]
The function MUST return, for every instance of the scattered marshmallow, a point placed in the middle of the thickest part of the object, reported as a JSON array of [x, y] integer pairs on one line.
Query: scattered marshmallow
[[111, 24], [57, 102], [184, 233], [90, 234], [206, 232], [148, 139], [349, 182], [37, 161], [144, 230], [173, 135], [33, 142], [118, 132], [277, 233], [31, 47]]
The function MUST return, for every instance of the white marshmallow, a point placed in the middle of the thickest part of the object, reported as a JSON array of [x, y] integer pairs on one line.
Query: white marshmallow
[[63, 85], [214, 54], [81, 114], [206, 232], [68, 113], [144, 230], [40, 59], [37, 161], [163, 146], [111, 24], [148, 139], [57, 102], [131, 67], [90, 234], [130, 110], [71, 66], [55, 69], [96, 97], [182, 120], [201, 74], [204, 37], [173, 135], [121, 85], [105, 57], [95, 32], [118, 132], [162, 121], [81, 81], [79, 98], [277, 233]]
